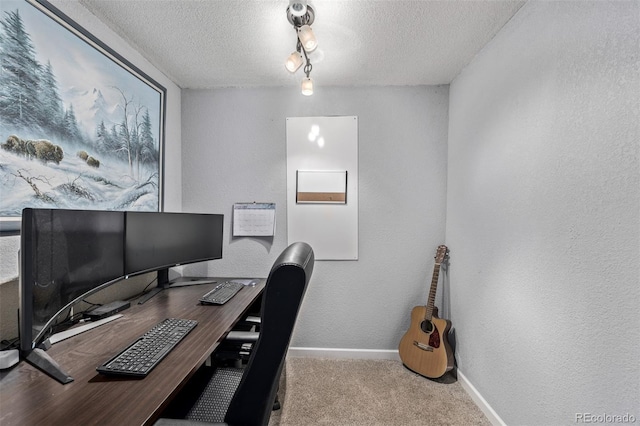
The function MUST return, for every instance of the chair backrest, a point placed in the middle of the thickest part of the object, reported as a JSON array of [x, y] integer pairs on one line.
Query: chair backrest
[[286, 285]]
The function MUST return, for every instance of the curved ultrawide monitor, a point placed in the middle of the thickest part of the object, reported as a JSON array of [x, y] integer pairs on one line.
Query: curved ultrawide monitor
[[155, 240], [66, 255]]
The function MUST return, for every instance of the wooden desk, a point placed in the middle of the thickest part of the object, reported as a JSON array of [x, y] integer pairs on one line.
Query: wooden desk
[[30, 397]]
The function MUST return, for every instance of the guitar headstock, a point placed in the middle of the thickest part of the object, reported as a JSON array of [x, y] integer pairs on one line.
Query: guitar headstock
[[441, 253]]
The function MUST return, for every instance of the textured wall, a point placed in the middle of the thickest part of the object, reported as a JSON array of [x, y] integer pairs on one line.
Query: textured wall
[[235, 151], [9, 247], [543, 213]]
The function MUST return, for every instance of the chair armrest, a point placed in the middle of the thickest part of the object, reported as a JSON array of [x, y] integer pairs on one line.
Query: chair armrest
[[242, 336], [253, 319]]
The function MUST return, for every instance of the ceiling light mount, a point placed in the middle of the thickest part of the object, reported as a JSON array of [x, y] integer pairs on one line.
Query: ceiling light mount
[[305, 41], [299, 20]]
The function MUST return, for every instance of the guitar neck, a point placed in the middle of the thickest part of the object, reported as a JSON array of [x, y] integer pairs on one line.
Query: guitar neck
[[441, 255], [432, 292]]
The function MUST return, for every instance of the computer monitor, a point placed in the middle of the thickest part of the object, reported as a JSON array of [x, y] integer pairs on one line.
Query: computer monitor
[[65, 256], [157, 241]]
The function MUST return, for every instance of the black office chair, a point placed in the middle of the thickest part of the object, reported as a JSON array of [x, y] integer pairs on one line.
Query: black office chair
[[234, 396]]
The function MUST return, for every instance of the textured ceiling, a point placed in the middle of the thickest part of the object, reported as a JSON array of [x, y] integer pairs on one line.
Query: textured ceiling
[[233, 43]]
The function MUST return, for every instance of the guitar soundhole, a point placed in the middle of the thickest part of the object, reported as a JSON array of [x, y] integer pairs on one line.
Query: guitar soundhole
[[426, 326], [434, 336]]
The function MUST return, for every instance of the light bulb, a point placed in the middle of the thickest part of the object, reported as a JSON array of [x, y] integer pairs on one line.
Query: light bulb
[[307, 86], [307, 38], [293, 62]]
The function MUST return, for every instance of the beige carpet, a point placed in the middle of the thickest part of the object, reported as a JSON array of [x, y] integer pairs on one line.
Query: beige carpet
[[369, 392]]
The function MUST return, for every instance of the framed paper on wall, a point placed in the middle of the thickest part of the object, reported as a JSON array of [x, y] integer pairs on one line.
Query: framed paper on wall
[[80, 126], [315, 186]]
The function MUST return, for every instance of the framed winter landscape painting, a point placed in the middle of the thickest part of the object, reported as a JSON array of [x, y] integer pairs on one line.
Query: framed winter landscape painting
[[80, 126]]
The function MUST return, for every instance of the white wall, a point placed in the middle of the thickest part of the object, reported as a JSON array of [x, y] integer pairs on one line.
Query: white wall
[[543, 214], [9, 245], [235, 151]]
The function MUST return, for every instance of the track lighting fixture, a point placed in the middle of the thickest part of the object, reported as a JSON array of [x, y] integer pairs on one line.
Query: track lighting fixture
[[301, 16]]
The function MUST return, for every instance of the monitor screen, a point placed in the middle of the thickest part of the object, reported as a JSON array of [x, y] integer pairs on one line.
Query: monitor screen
[[65, 256], [155, 240]]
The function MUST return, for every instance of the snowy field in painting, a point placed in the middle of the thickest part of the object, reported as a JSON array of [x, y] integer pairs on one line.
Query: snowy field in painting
[[73, 184]]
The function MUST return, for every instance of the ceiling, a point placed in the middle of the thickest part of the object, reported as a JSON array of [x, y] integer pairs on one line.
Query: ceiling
[[243, 43]]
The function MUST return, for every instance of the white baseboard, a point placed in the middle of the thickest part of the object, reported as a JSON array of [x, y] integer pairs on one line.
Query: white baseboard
[[344, 353], [340, 353], [482, 403]]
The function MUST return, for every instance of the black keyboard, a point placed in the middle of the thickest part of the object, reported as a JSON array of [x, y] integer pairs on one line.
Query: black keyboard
[[222, 293], [139, 358]]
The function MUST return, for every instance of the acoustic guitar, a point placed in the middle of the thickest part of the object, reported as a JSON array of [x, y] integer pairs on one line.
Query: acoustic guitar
[[425, 347]]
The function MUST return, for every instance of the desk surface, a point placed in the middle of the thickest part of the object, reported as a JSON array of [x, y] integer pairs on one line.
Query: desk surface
[[30, 397]]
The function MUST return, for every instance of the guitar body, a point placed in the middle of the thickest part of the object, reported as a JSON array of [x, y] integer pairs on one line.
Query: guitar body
[[425, 347]]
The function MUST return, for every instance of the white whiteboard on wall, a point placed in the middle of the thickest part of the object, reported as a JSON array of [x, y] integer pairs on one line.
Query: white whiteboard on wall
[[322, 164]]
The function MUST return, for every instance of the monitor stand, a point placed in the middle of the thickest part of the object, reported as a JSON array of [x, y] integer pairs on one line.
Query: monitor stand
[[185, 281], [41, 360], [163, 282]]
